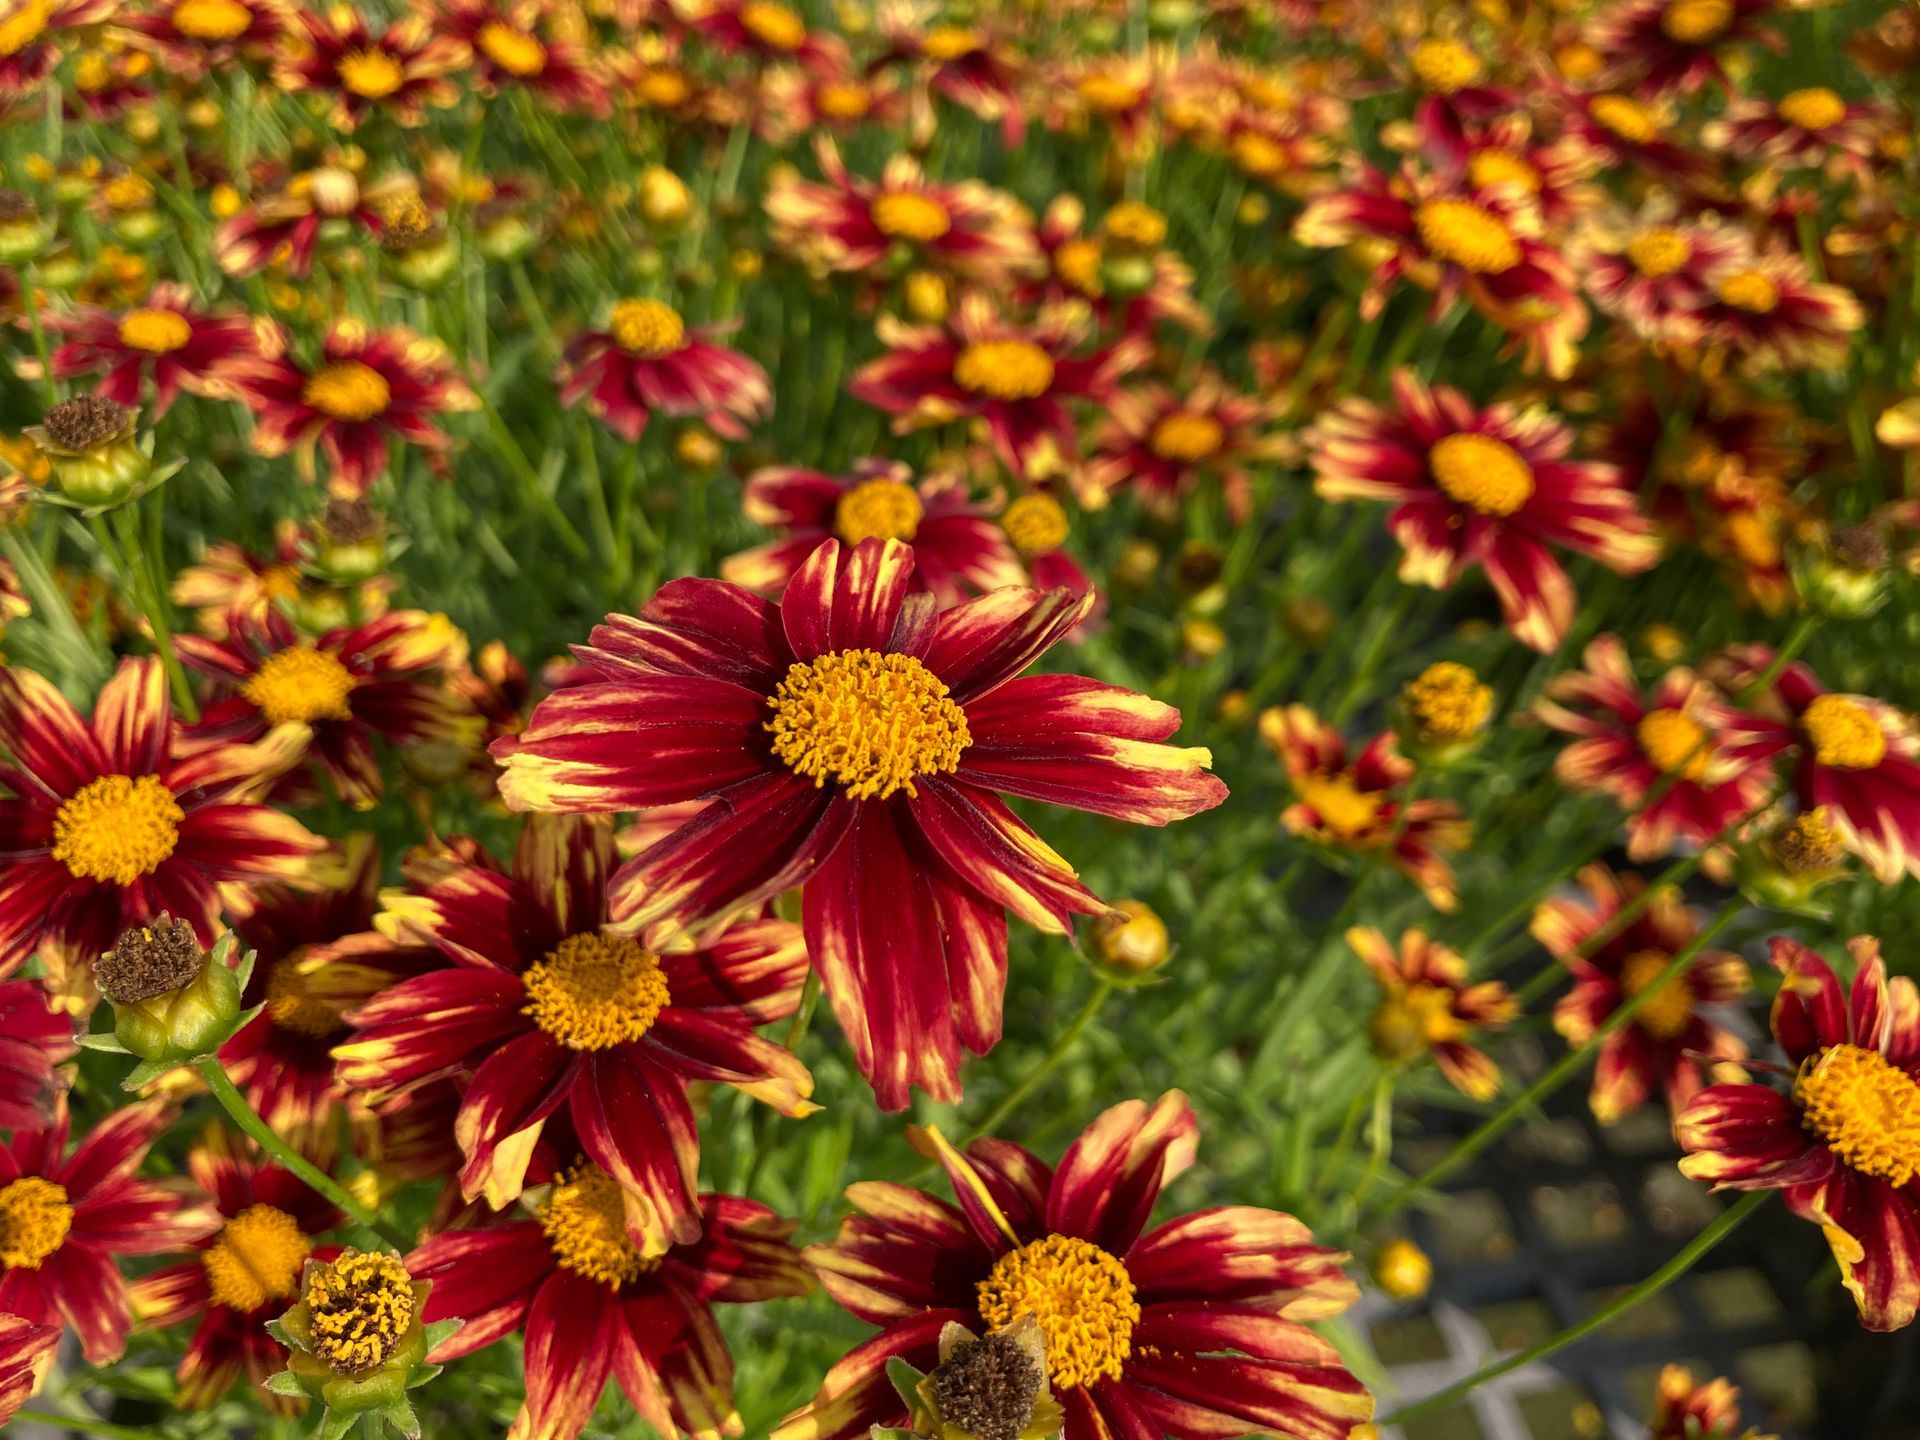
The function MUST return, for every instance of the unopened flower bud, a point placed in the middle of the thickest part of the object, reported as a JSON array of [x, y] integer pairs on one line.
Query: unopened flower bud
[[665, 200], [350, 541], [1442, 713], [1663, 642], [1136, 226], [90, 441], [1130, 938], [698, 449], [1848, 577], [1198, 566], [1309, 619], [1402, 1269], [356, 1342], [1201, 639], [24, 233], [172, 1001], [1138, 563], [925, 297]]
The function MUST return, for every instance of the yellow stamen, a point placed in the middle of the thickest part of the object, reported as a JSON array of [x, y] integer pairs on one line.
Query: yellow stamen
[[371, 74], [256, 1259], [1659, 251], [1812, 109], [1694, 22], [156, 331], [950, 42], [1669, 1010], [363, 1306], [1080, 1296], [1004, 369], [868, 721], [117, 828], [877, 509], [593, 992], [34, 1220], [1448, 703], [1135, 224], [1257, 154], [1751, 290], [1185, 436], [1674, 743], [211, 19], [585, 1219], [1411, 1019], [1625, 117], [1343, 807], [647, 327], [1078, 263], [348, 391], [1470, 237], [1865, 1108], [1487, 168], [1108, 94], [1844, 733], [843, 100], [774, 26], [301, 685], [905, 215], [24, 26], [514, 51], [1037, 524], [292, 1004], [1444, 66], [1481, 472]]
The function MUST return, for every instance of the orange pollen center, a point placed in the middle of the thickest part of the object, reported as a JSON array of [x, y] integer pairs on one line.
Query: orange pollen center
[[156, 331], [871, 723], [594, 992], [950, 42], [774, 26], [585, 1217], [1037, 524], [1865, 1108], [1448, 703], [1411, 1019], [1080, 1296], [300, 685], [1489, 168], [1812, 109], [647, 327], [1108, 94], [1659, 251], [1694, 22], [117, 828], [1625, 117], [347, 391], [1344, 808], [1077, 263], [1444, 66], [904, 215], [1844, 733], [877, 509], [843, 100], [371, 74], [1674, 743], [293, 1004], [1004, 369], [1666, 1013], [211, 19], [1482, 473], [514, 51], [1135, 224], [1467, 235], [1186, 436], [1752, 291], [34, 1220], [256, 1259], [1258, 154], [25, 25], [363, 1305]]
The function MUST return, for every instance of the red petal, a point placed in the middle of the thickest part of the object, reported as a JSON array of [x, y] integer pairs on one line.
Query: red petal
[[1110, 1177]]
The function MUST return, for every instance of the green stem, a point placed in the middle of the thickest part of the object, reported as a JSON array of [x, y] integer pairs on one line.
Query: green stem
[[1730, 1219], [152, 600], [1796, 641], [1048, 1063], [83, 1424], [315, 1179], [1381, 1136], [803, 1017]]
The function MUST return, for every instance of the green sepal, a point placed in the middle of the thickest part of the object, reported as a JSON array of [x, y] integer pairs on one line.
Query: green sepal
[[334, 1424], [402, 1418], [906, 1381], [439, 1330], [285, 1382], [147, 1071], [105, 1041]]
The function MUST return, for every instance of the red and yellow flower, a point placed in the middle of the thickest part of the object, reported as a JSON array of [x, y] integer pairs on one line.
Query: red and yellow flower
[[1769, 313], [976, 65], [851, 739], [1428, 1005], [165, 341], [35, 1036], [1655, 271], [1843, 1144], [1620, 131], [1684, 1410], [1164, 445], [1676, 45], [647, 361], [195, 36], [31, 33], [397, 72], [284, 227], [1811, 128], [1193, 1330], [764, 30], [26, 1355], [516, 43]]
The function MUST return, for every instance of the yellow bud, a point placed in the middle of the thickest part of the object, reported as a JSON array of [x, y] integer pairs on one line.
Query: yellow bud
[[1402, 1269], [1131, 938], [665, 200]]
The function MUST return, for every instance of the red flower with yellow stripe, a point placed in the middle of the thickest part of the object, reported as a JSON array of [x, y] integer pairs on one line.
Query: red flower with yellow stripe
[[1670, 1045], [26, 1355], [646, 360], [1810, 128], [397, 72], [1842, 1143], [164, 340], [1163, 446], [1429, 1005], [1494, 488], [546, 1004], [31, 35], [1769, 313], [1194, 1330], [1676, 45], [517, 43], [34, 1038], [108, 824], [852, 740], [194, 36], [592, 1305]]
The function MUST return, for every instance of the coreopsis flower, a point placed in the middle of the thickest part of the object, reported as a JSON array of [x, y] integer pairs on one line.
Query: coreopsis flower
[[397, 71], [1114, 94], [1655, 271], [1676, 45], [1622, 132], [1441, 714], [1359, 804], [1018, 378], [65, 1217], [1494, 488], [1078, 272], [556, 1008], [766, 31], [1810, 128], [1137, 1327], [30, 35], [1841, 1144], [846, 224], [240, 1276], [973, 64], [108, 823], [370, 387], [1771, 314], [590, 1304], [26, 1355], [1503, 158], [284, 228], [35, 1036], [1276, 150], [646, 361], [195, 36], [1681, 738], [1163, 446], [958, 550], [1428, 1005], [1454, 87], [1670, 1045], [355, 1340], [516, 43], [851, 739], [1684, 1410], [166, 342]]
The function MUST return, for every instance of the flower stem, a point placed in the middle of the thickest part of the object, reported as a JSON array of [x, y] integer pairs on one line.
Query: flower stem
[[1048, 1062], [1730, 1219], [152, 600], [59, 1421], [315, 1179]]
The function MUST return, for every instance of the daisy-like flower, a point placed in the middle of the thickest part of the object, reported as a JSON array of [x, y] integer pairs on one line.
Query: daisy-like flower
[[546, 1005], [195, 36], [1686, 1411], [1842, 1144], [958, 549], [842, 101], [1656, 271], [1077, 264], [284, 227], [646, 361], [1804, 129], [30, 36], [65, 1217], [1622, 132], [852, 739], [1770, 313], [1503, 158], [1428, 1005], [384, 679], [846, 224], [1494, 488], [1670, 1046], [1164, 445], [1681, 737], [766, 31], [371, 387], [398, 71], [590, 1304], [166, 342], [1193, 1330], [34, 1038], [241, 1275], [1017, 378], [975, 65], [107, 824], [1662, 45], [26, 1355], [1454, 86], [515, 43], [1356, 805]]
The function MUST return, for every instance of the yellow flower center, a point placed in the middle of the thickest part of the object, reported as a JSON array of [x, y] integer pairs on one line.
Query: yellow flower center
[[1814, 108], [1185, 436], [371, 74], [155, 331], [1665, 1014], [1258, 154], [211, 19], [1472, 238], [514, 51], [1108, 94], [1674, 743], [1077, 263], [1809, 843], [1659, 251], [257, 1258], [1080, 1296], [1844, 734], [301, 685], [1448, 703], [1753, 537], [950, 42], [1004, 369], [24, 26], [117, 828], [1036, 524], [34, 1220], [585, 1218], [347, 391], [593, 992], [1487, 168], [363, 1306], [1481, 472], [1135, 224], [843, 100], [774, 26], [1343, 807], [907, 216], [293, 1005], [1411, 1019], [868, 721], [647, 327], [1750, 290], [877, 509], [1444, 66], [664, 89], [1625, 117], [1865, 1108], [1694, 22]]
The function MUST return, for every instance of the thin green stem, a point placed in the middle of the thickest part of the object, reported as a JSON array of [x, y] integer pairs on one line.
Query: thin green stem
[[803, 1017], [1048, 1062], [58, 1420], [153, 602], [1380, 1135]]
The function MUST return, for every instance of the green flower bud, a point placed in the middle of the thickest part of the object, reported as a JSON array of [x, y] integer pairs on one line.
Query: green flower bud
[[1848, 577], [90, 442], [350, 541], [24, 233], [172, 1001]]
